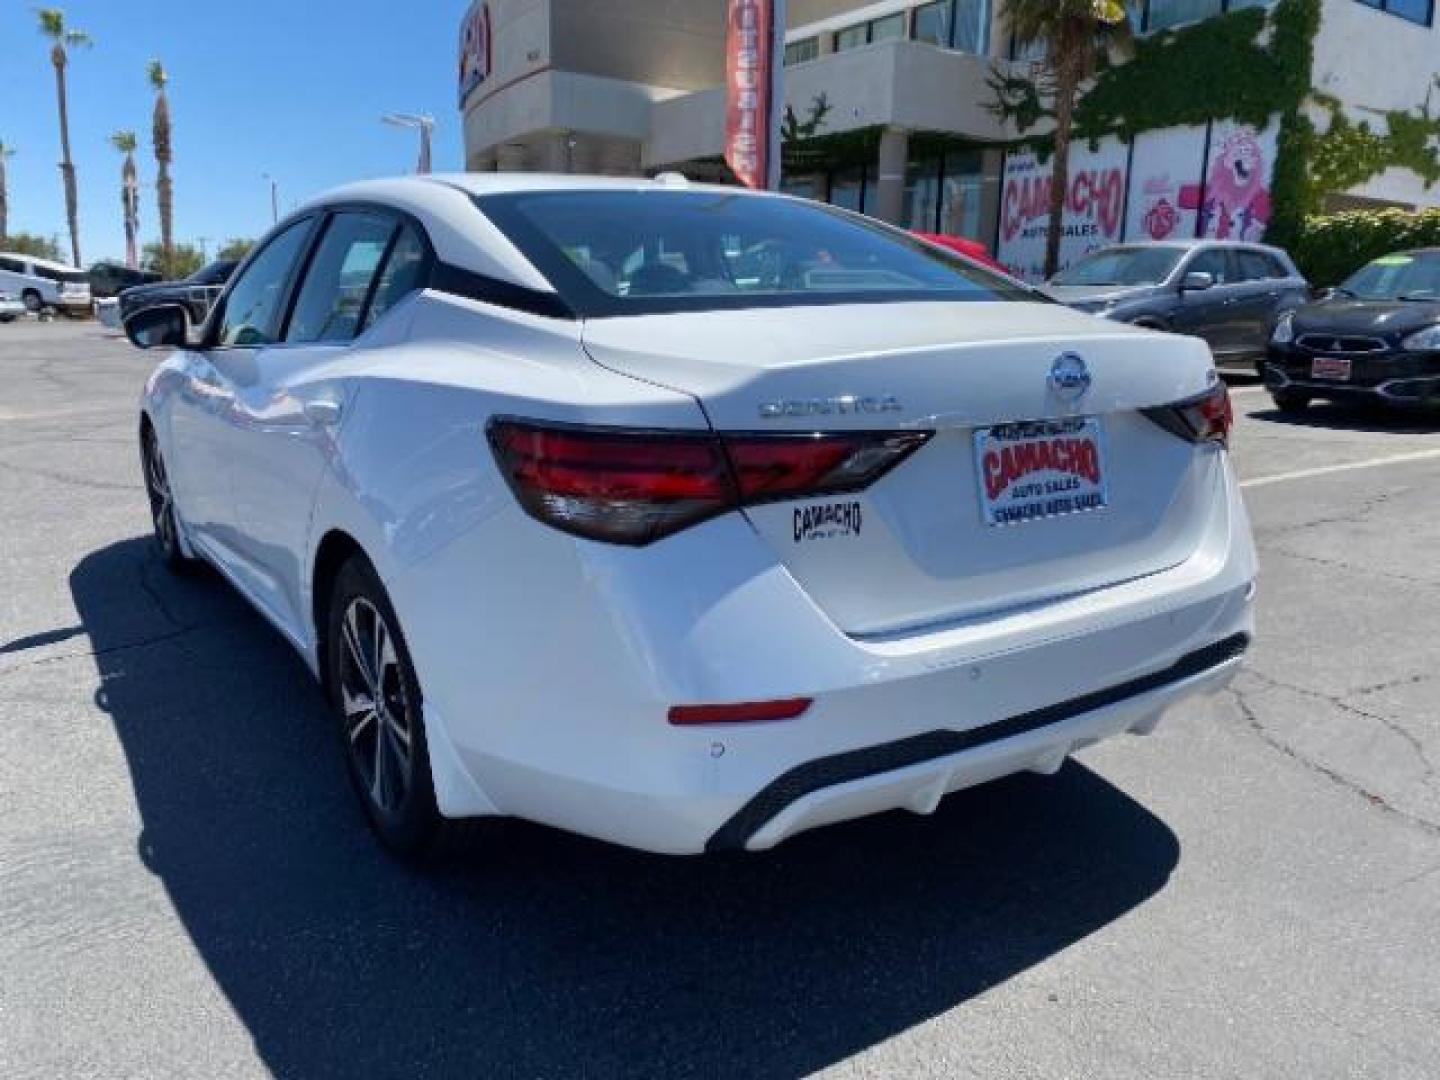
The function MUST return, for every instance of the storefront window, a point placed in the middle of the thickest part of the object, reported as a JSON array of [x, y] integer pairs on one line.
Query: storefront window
[[806, 187], [871, 190], [921, 207], [845, 188], [960, 194]]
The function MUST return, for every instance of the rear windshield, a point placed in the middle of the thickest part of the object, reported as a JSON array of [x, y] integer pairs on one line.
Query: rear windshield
[[642, 252]]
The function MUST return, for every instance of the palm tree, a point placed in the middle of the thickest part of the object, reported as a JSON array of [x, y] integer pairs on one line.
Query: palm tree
[[62, 40], [160, 138], [5, 152], [1076, 35], [125, 142]]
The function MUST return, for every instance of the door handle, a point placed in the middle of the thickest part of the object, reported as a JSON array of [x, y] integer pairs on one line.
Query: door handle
[[323, 412]]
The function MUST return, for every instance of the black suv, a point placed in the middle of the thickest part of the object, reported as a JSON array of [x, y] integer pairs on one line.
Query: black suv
[[195, 293], [111, 279], [1374, 338]]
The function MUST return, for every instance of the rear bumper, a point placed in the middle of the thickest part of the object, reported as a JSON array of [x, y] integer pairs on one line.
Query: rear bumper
[[915, 772], [1401, 379]]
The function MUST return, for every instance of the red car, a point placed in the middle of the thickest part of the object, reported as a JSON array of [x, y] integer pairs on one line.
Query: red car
[[971, 249]]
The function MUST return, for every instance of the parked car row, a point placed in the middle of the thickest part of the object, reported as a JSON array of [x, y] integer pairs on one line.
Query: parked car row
[[1374, 338], [42, 283]]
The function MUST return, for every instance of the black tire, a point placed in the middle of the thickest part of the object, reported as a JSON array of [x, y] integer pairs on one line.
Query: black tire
[[32, 301], [385, 750], [1290, 402], [165, 524]]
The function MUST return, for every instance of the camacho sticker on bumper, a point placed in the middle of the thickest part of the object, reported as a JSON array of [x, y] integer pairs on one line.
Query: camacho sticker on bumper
[[827, 520]]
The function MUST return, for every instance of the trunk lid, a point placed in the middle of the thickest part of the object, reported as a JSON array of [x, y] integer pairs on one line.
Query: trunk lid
[[916, 547]]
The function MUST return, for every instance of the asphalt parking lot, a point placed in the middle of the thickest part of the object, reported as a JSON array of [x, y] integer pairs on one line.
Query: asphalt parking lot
[[187, 888]]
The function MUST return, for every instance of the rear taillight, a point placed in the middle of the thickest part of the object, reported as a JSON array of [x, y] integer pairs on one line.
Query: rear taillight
[[626, 486], [1206, 417]]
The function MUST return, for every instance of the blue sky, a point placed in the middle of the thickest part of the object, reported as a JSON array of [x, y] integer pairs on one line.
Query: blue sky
[[290, 87]]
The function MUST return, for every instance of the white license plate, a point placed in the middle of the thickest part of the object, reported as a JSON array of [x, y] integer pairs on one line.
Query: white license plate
[[1040, 469], [1330, 367]]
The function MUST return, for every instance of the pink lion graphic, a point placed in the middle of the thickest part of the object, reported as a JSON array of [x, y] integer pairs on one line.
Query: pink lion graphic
[[1237, 198]]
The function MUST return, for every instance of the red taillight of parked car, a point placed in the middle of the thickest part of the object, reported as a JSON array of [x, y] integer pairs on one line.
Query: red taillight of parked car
[[627, 486], [1207, 417]]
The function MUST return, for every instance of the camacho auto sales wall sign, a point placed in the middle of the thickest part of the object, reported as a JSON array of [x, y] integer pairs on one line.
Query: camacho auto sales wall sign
[[1094, 206], [475, 48], [750, 138]]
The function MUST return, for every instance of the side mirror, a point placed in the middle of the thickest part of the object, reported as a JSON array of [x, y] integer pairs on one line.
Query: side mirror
[[159, 327], [1196, 281]]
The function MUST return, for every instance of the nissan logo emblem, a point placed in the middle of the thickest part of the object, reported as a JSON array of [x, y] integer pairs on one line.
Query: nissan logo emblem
[[1069, 377]]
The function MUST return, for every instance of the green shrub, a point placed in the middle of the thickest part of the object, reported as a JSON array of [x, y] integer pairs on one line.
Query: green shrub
[[1331, 247]]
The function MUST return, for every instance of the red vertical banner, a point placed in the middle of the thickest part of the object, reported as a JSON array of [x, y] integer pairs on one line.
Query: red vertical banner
[[752, 147]]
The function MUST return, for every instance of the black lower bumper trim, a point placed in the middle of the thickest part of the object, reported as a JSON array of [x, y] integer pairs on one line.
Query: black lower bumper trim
[[851, 765]]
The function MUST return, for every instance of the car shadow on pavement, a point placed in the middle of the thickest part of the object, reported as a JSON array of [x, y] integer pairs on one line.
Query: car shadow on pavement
[[1336, 416], [530, 952]]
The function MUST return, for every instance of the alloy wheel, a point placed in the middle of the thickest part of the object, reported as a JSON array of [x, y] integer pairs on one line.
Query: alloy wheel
[[378, 719]]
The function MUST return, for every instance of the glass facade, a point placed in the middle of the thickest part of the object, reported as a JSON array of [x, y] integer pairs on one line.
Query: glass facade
[[1163, 14], [797, 52], [1148, 16], [1416, 11], [942, 195], [954, 24], [888, 28], [852, 37]]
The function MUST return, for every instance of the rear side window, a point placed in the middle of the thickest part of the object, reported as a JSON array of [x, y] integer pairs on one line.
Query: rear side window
[[403, 273], [332, 298], [15, 266], [254, 306], [640, 252], [1258, 266], [1215, 262]]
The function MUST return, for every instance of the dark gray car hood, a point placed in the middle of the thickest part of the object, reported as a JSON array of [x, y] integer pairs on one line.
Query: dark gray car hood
[[1381, 318], [1096, 295]]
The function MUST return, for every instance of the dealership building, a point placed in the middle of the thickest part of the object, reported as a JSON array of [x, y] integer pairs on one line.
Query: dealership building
[[894, 97]]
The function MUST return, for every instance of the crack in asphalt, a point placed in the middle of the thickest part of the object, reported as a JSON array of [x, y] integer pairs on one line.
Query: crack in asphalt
[[1350, 517], [65, 478], [1340, 564], [1390, 684], [1338, 702], [1257, 726]]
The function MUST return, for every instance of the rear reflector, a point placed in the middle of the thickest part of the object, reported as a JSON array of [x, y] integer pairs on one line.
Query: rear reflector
[[743, 713], [626, 486], [1206, 417]]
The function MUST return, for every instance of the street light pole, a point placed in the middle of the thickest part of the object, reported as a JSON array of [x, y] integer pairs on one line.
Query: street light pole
[[274, 198], [423, 124]]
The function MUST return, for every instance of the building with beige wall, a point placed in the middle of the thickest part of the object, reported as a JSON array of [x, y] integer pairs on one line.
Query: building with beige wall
[[635, 86]]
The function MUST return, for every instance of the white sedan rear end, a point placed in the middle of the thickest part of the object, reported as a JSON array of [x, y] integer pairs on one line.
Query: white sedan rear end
[[691, 518]]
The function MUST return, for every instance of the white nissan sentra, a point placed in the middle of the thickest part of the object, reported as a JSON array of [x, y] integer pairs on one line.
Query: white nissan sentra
[[687, 517]]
